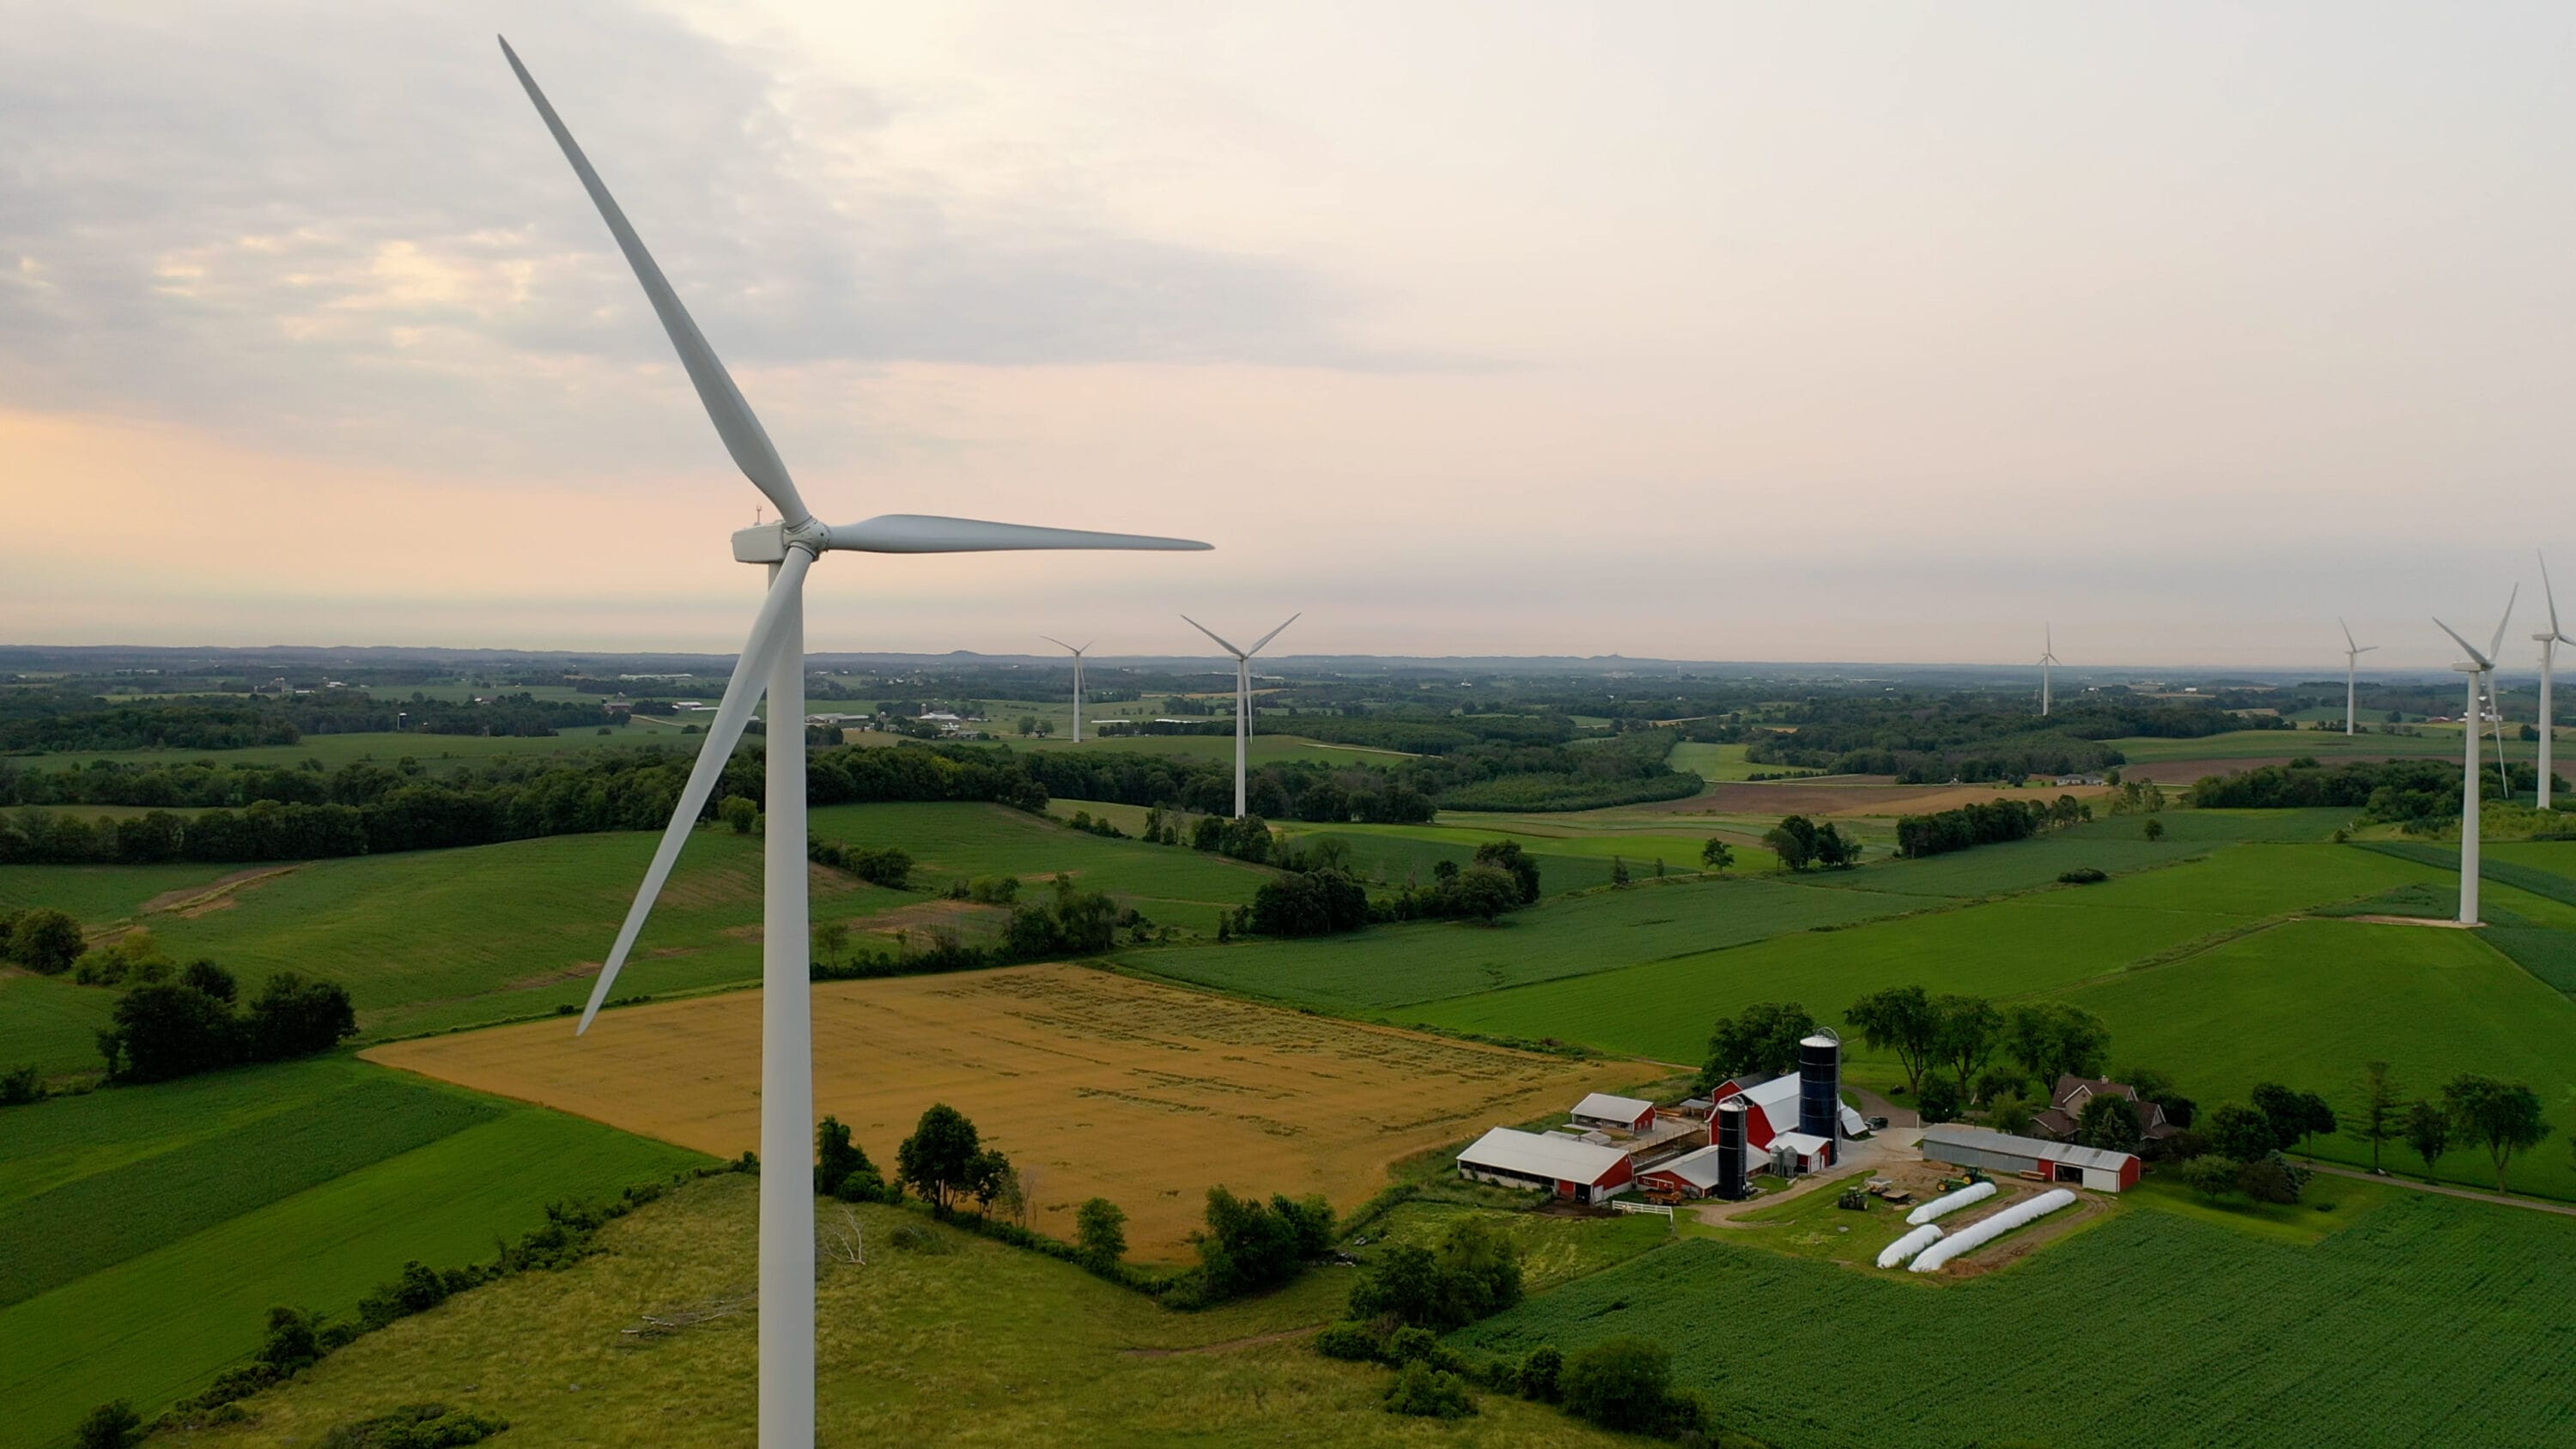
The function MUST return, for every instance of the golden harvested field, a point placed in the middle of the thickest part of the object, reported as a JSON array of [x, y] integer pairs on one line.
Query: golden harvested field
[[1094, 1084]]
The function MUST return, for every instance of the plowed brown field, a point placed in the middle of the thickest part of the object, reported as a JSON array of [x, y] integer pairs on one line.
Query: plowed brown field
[[1093, 1084]]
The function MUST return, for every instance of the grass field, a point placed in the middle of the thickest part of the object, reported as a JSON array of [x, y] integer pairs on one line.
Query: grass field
[[957, 842], [431, 751], [2325, 745], [2226, 1339], [1262, 749], [50, 1024], [1389, 966], [1092, 1082], [102, 895], [2307, 1003], [1715, 762], [977, 1345], [159, 1224]]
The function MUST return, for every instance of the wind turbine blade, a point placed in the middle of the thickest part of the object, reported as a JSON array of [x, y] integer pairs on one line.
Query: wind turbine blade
[[1273, 634], [1060, 644], [2466, 647], [926, 533], [743, 436], [2497, 646], [2548, 593], [2348, 641], [1211, 633], [2363, 648], [741, 692], [1086, 647]]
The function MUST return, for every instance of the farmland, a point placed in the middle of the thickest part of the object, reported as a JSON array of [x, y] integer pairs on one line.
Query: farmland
[[2249, 1341], [973, 1345], [148, 1230], [434, 752], [1092, 1082]]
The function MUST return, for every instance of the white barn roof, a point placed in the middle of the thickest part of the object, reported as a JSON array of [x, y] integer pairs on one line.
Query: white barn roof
[[1613, 1109], [1959, 1134], [1801, 1143], [1699, 1169], [1542, 1155], [1782, 1092]]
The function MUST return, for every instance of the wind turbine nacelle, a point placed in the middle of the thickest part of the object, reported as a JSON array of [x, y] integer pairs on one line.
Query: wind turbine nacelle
[[763, 544]]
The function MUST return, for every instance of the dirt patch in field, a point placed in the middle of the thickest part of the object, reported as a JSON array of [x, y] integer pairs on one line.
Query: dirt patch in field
[[194, 901], [963, 917], [2433, 921], [1093, 1083]]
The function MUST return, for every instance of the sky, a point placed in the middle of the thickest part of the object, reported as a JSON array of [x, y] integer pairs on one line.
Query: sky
[[1706, 331]]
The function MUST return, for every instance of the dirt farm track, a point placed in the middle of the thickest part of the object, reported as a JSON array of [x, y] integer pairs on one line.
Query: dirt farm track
[[1093, 1083]]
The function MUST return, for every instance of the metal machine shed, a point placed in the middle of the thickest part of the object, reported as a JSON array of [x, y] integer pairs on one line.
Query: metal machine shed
[[1628, 1114], [1563, 1165], [2092, 1167], [1693, 1174]]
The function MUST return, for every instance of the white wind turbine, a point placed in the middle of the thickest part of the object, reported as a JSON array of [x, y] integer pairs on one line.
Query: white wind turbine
[[2549, 643], [773, 659], [1242, 693], [1077, 680], [2047, 659], [2352, 653], [2478, 667]]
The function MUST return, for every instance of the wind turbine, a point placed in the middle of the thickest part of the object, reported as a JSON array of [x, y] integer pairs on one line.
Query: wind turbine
[[2549, 643], [2352, 653], [2478, 667], [1242, 693], [1077, 681], [2047, 657], [775, 653]]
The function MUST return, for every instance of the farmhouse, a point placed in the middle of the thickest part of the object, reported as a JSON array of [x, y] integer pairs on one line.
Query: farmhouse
[[1964, 1146], [1627, 1114], [2066, 1109], [1565, 1166]]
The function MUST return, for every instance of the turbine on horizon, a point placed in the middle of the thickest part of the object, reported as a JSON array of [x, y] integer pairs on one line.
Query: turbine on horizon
[[775, 652], [2047, 661], [1242, 693], [1077, 680], [2352, 653], [2549, 643], [2478, 668]]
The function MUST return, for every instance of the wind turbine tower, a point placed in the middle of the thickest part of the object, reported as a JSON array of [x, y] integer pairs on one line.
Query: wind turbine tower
[[1242, 694], [2351, 673], [773, 661], [2549, 643], [1077, 680], [2047, 660], [2477, 668]]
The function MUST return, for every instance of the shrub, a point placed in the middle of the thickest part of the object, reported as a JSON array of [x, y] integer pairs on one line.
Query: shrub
[[994, 890], [415, 1426], [43, 940], [1539, 1373], [1619, 1383], [2210, 1175], [2083, 875], [20, 1085], [112, 1425], [1350, 1341], [914, 1238], [1100, 1233], [1937, 1099], [1429, 1393]]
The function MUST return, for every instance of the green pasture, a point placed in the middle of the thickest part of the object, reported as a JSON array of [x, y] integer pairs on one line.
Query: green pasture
[[103, 895], [954, 842], [2243, 1341], [2020, 865], [2274, 827], [2309, 1002], [1261, 750], [204, 1240], [1390, 966], [1714, 763], [50, 1024], [1395, 860], [2326, 745]]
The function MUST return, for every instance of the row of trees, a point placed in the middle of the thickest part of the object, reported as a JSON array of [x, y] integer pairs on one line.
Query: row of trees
[[1802, 844], [1319, 895], [190, 1023], [1989, 822]]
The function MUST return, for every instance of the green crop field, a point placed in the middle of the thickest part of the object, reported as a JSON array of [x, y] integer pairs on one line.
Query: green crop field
[[1389, 966], [102, 895], [2226, 1339], [224, 1195], [1262, 750], [2276, 827], [2324, 744], [972, 1344], [1677, 846], [2307, 1003], [1393, 860], [960, 842], [50, 1024], [1715, 762], [2021, 865]]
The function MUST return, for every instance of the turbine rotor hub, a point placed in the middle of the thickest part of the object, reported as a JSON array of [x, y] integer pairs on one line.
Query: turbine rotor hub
[[768, 543]]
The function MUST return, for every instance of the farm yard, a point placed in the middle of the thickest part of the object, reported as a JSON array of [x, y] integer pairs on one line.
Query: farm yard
[[1093, 1083]]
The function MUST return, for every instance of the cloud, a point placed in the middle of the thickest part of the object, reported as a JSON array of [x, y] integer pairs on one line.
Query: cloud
[[342, 228]]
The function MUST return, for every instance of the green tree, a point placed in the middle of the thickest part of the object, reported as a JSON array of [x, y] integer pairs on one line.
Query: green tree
[[1899, 1019], [1761, 1038], [1618, 1383], [166, 1031], [1938, 1100], [296, 1017], [2502, 1117], [2155, 828], [831, 942], [1484, 893], [2428, 1133], [45, 941], [2053, 1040], [1793, 840], [2242, 1133], [2378, 1116], [1100, 1232], [1717, 855], [1540, 1371], [112, 1425], [841, 1166], [2110, 1122], [739, 813], [1618, 873], [1503, 855], [2295, 1116], [2010, 1114], [1970, 1030], [293, 1342], [1426, 1392], [2212, 1176], [209, 978], [938, 1161], [1834, 850]]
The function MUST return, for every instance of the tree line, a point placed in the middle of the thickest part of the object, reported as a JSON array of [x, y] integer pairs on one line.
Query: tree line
[[61, 723], [2419, 792], [1989, 822]]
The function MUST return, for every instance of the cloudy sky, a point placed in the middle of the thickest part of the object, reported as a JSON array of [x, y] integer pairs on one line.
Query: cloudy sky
[[1700, 331]]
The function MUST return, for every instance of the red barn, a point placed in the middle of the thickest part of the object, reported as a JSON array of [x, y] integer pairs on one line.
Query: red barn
[[1626, 1114], [1566, 1166]]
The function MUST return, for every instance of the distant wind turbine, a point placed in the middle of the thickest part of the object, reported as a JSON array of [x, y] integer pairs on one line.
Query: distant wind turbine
[[1242, 694], [1077, 681], [2549, 643], [2047, 658], [2352, 653], [775, 653], [2478, 667]]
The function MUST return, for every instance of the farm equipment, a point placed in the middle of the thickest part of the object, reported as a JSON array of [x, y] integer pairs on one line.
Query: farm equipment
[[1970, 1178], [1853, 1198]]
